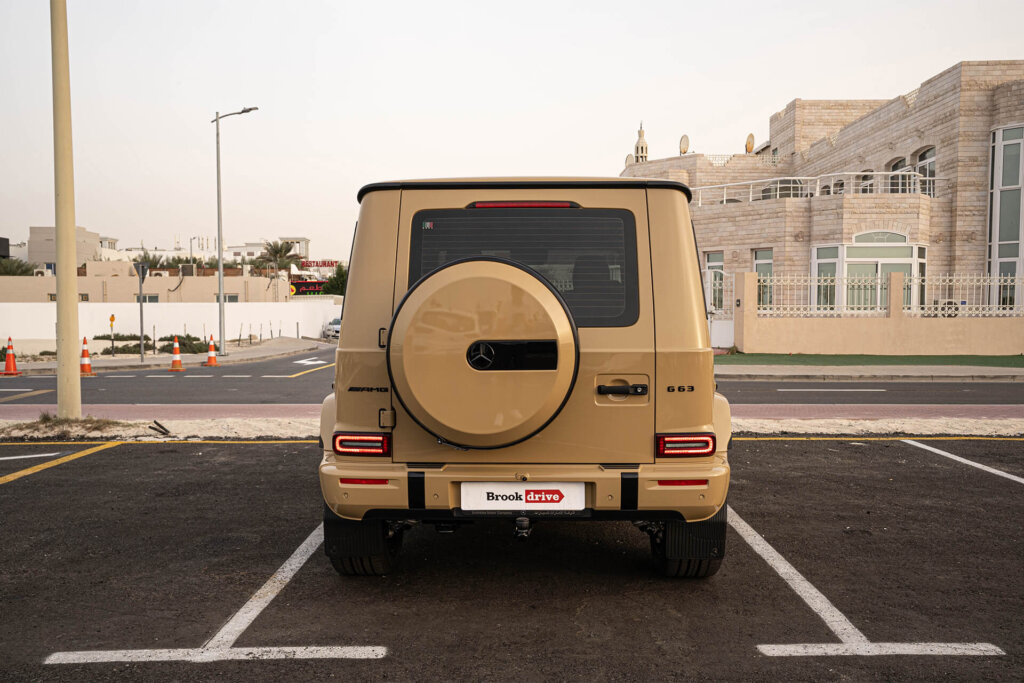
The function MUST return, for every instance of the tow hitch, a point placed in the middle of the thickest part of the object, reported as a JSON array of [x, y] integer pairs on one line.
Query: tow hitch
[[523, 528]]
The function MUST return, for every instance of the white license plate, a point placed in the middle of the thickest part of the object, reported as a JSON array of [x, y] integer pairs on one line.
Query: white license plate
[[519, 496]]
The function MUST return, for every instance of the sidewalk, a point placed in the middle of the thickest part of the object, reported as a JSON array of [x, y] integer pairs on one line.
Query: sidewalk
[[267, 350], [864, 373]]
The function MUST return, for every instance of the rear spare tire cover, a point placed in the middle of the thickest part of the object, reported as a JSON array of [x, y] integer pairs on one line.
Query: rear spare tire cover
[[483, 353]]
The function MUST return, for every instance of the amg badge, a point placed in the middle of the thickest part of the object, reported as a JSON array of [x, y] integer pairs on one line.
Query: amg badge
[[380, 390]]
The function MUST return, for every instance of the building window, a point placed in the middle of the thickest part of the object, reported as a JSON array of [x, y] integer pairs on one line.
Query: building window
[[52, 297], [838, 187], [763, 268], [715, 265], [866, 264], [826, 190], [899, 184], [228, 298], [1005, 213], [880, 238], [148, 298], [866, 182], [925, 165]]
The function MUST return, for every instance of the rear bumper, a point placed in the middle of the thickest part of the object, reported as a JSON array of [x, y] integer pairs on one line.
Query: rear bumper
[[612, 492]]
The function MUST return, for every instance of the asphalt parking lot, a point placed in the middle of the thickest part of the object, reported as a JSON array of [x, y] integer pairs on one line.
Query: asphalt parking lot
[[872, 547]]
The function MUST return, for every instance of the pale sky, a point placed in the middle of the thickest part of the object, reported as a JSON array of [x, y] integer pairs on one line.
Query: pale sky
[[353, 93]]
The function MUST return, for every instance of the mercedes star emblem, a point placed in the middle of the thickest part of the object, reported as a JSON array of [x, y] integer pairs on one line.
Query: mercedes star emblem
[[481, 355]]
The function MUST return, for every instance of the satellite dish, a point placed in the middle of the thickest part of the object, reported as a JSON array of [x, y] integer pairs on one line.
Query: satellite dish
[[750, 143], [630, 160], [684, 144]]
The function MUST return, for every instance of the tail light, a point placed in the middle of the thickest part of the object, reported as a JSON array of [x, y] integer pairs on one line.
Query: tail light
[[345, 480], [684, 445], [361, 444]]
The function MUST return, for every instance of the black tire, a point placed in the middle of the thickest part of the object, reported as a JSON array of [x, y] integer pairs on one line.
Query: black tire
[[691, 550], [366, 548]]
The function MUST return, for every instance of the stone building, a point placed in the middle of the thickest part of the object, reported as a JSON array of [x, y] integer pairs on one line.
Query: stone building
[[928, 182]]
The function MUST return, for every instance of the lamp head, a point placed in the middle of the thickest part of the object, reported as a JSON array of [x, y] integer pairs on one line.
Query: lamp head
[[246, 110]]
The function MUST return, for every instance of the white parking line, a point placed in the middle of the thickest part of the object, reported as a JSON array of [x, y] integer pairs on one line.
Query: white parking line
[[853, 641], [219, 647], [34, 455], [965, 461], [830, 390]]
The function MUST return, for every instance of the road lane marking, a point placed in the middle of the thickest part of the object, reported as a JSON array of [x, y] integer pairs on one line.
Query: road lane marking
[[34, 455], [59, 461], [219, 647], [244, 617], [167, 376], [312, 360], [853, 641], [814, 598], [237, 376], [304, 372], [991, 470], [831, 390], [190, 376], [276, 376], [117, 376], [15, 390], [37, 392]]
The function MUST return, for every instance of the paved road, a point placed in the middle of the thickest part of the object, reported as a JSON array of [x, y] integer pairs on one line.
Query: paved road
[[304, 378], [166, 542]]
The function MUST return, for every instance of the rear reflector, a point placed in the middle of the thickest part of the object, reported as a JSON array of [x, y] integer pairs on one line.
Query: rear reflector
[[523, 205], [684, 445], [364, 481], [362, 444], [682, 482]]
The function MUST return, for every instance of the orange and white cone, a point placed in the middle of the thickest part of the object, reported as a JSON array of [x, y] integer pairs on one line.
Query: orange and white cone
[[10, 366], [176, 358], [211, 356], [85, 363]]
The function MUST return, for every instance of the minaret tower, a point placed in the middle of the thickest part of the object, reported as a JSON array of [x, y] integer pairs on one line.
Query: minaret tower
[[640, 149]]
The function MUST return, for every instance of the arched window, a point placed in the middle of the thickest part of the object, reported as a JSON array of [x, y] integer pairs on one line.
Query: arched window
[[866, 182], [880, 237], [826, 190], [899, 184], [924, 163], [838, 187]]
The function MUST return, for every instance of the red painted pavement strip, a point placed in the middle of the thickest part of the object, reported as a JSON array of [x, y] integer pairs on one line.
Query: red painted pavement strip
[[870, 411], [170, 411]]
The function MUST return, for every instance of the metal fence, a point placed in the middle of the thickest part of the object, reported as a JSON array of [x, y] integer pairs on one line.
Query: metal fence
[[806, 296], [971, 296], [890, 182]]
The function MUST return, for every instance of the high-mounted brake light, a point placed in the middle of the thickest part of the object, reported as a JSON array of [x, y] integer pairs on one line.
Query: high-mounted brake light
[[361, 444], [345, 480], [523, 205], [684, 445], [682, 482]]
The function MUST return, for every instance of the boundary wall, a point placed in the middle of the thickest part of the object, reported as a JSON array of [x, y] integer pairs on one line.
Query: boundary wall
[[33, 325], [894, 334]]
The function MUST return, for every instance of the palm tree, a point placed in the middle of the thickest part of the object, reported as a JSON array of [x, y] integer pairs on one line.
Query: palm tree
[[15, 266], [279, 255], [151, 260]]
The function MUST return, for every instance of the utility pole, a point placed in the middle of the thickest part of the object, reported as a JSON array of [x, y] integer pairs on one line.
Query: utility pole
[[220, 230], [69, 383], [141, 268]]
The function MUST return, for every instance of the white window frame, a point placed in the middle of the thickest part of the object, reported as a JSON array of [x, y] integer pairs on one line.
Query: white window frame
[[996, 263]]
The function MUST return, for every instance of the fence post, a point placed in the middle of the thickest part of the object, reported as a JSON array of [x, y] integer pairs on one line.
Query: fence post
[[895, 303]]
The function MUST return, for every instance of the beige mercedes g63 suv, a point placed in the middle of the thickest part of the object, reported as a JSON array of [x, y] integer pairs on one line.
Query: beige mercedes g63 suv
[[527, 349]]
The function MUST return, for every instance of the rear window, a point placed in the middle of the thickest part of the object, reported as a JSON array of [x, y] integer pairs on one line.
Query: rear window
[[588, 255]]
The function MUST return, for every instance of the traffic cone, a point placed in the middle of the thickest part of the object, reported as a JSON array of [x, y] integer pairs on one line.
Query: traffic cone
[[211, 356], [176, 358], [85, 363], [10, 366]]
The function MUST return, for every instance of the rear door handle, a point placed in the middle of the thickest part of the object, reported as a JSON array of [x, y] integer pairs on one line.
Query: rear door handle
[[622, 389]]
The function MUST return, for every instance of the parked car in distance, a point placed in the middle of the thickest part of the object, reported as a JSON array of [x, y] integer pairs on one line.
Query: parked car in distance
[[332, 330]]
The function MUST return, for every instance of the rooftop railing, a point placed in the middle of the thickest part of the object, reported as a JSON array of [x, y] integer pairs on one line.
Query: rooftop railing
[[882, 182]]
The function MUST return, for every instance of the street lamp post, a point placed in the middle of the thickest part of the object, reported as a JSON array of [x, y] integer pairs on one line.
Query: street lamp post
[[220, 230]]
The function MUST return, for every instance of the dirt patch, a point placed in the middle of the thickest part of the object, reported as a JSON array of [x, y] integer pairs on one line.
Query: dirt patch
[[139, 430]]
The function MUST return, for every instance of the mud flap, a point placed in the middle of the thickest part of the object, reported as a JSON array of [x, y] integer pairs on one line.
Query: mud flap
[[696, 540]]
